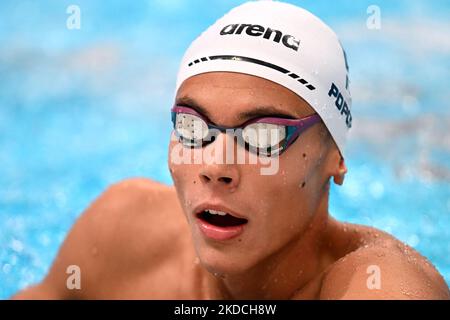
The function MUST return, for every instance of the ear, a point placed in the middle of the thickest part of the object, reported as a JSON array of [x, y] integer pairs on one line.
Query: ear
[[340, 170]]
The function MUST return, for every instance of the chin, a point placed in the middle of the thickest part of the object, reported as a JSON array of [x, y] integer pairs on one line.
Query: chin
[[223, 261]]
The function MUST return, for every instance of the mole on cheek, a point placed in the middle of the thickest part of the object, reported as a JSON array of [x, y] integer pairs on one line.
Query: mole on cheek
[[304, 155], [303, 184]]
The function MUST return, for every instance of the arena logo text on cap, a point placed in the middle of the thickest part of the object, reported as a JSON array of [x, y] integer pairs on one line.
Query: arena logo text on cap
[[256, 30]]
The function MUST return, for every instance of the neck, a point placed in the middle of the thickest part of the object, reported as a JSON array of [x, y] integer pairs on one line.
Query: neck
[[284, 273]]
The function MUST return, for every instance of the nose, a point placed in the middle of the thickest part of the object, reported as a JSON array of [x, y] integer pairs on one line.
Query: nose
[[222, 175]]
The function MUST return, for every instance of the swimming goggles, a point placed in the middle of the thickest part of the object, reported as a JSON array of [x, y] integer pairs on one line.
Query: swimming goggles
[[264, 136]]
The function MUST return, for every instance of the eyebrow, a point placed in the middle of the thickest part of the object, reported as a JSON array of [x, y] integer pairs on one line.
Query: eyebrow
[[187, 101], [257, 112]]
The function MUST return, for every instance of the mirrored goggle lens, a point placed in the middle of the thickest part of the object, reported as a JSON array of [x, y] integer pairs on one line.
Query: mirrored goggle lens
[[265, 138], [191, 129]]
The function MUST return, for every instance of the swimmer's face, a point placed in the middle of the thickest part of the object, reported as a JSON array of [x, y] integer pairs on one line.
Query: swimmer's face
[[279, 206]]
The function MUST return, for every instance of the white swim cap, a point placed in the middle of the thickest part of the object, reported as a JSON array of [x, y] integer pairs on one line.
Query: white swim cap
[[284, 44]]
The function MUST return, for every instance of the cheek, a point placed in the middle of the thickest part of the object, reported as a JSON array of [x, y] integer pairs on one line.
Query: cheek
[[283, 210], [178, 173], [289, 190], [173, 167], [277, 195], [177, 162], [296, 168], [184, 176]]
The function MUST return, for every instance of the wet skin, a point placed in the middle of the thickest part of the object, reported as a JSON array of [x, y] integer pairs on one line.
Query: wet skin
[[140, 239]]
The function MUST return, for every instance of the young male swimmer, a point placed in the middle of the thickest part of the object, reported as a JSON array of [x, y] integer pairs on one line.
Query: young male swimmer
[[278, 75]]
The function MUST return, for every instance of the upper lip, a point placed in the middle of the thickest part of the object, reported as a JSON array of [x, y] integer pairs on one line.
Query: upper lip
[[216, 206]]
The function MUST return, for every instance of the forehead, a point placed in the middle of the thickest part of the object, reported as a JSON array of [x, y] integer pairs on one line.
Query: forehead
[[228, 94]]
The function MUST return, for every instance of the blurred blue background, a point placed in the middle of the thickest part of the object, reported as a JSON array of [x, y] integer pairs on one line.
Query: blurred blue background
[[81, 109]]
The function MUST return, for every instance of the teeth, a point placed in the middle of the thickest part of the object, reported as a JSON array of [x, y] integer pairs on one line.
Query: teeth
[[220, 213]]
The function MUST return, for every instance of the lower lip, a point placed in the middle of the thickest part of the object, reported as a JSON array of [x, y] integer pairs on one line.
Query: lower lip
[[219, 233]]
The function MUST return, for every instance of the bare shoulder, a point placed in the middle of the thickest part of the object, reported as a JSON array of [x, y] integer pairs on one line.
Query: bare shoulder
[[132, 215], [382, 267], [118, 237]]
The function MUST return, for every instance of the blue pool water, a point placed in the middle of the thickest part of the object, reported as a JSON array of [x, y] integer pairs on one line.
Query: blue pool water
[[81, 109]]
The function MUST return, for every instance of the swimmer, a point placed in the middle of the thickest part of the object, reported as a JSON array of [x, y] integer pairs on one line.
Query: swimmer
[[270, 80]]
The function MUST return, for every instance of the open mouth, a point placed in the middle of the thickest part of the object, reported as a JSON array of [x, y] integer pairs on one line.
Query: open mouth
[[220, 218]]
